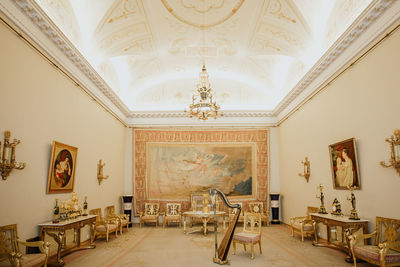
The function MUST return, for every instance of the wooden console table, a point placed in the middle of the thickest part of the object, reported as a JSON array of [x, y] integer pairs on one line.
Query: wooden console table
[[57, 232], [333, 222]]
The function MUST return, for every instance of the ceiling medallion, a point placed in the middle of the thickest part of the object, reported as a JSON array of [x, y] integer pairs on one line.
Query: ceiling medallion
[[202, 105], [191, 12]]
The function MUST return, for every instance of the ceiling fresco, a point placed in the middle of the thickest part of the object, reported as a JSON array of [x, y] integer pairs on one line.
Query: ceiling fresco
[[150, 52]]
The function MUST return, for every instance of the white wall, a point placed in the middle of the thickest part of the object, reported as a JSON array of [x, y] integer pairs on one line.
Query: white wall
[[362, 103], [38, 105]]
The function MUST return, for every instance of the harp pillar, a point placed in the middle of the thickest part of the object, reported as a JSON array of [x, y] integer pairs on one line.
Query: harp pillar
[[275, 208], [127, 201]]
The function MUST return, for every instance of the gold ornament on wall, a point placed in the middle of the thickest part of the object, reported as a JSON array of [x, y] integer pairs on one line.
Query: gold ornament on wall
[[306, 171], [7, 157], [100, 176], [394, 142]]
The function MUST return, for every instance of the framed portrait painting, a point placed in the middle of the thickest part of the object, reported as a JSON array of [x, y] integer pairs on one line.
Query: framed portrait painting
[[344, 164], [62, 168]]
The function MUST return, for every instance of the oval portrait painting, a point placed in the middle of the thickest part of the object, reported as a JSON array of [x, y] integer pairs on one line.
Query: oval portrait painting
[[62, 168]]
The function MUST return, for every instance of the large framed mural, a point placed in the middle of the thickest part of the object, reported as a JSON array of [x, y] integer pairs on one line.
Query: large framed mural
[[170, 163], [175, 170]]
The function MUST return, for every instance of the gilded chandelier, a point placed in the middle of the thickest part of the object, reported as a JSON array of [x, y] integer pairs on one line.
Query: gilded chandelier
[[202, 105]]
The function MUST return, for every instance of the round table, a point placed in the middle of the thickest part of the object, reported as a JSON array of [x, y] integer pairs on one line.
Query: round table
[[205, 218]]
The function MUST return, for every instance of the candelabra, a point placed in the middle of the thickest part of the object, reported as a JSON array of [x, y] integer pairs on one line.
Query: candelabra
[[306, 171], [352, 198], [7, 162], [321, 197], [100, 176], [394, 142]]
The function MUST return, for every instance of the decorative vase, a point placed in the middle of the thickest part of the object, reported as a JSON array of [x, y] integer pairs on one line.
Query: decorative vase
[[275, 208]]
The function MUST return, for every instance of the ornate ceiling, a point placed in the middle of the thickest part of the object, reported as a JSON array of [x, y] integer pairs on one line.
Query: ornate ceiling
[[145, 55]]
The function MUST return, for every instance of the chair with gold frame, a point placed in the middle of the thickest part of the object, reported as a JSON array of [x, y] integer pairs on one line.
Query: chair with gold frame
[[103, 226], [251, 233], [123, 219], [150, 213], [232, 213], [9, 249], [258, 207], [385, 250], [172, 214], [304, 224]]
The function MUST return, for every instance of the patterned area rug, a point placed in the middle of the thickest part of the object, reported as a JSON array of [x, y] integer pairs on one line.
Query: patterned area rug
[[150, 246]]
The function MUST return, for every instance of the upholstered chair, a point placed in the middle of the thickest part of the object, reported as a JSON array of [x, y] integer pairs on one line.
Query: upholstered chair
[[172, 214], [258, 207], [103, 226], [9, 249], [251, 233], [304, 224], [385, 248], [232, 213], [123, 219], [150, 213]]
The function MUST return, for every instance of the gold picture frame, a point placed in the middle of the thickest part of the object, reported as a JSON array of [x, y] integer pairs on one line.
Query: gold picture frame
[[61, 178], [196, 200], [344, 164]]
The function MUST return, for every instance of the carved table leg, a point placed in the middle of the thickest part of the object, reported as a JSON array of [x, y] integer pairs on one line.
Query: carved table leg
[[205, 226], [184, 224], [59, 238]]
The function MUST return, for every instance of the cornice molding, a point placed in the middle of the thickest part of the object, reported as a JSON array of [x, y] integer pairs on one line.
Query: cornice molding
[[53, 33], [31, 10], [335, 51], [181, 114]]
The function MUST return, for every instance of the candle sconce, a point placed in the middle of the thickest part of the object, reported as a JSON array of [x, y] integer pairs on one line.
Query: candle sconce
[[100, 176], [7, 161], [394, 142], [306, 171]]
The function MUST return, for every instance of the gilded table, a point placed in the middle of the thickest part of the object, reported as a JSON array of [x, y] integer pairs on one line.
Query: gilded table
[[57, 232], [338, 225], [205, 218]]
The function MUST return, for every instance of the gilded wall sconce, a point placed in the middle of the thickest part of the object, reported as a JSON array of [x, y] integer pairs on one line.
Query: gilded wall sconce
[[7, 160], [306, 170], [394, 142], [100, 176]]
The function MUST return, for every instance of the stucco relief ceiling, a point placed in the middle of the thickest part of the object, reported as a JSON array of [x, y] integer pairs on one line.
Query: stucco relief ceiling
[[150, 52]]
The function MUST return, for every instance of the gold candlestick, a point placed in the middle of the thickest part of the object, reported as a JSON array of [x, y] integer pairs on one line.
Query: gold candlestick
[[321, 197]]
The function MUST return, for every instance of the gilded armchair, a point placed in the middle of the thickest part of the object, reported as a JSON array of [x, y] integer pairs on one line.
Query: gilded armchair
[[9, 249], [232, 213], [258, 207], [103, 226], [172, 214], [150, 213], [304, 224], [385, 250], [251, 233], [123, 219]]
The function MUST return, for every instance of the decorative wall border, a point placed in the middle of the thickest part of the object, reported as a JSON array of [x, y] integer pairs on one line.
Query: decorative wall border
[[142, 136]]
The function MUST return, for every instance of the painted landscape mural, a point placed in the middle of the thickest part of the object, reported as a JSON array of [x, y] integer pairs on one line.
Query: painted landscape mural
[[175, 170]]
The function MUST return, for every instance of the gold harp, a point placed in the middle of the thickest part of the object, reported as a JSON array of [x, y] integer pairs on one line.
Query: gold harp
[[221, 252]]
